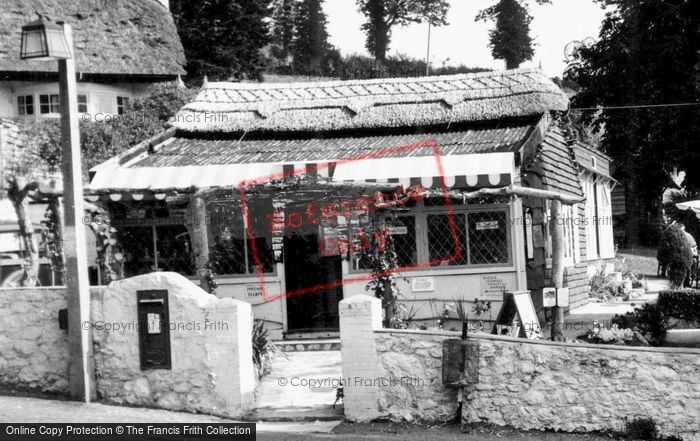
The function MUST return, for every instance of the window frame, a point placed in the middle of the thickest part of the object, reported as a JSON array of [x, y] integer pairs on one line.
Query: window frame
[[121, 108], [22, 108], [246, 249], [50, 105], [421, 212], [86, 103]]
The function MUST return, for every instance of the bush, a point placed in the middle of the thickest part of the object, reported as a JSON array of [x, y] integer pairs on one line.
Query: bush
[[682, 304], [674, 253], [647, 320]]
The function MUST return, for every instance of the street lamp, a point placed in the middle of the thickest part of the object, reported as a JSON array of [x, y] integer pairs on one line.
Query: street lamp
[[44, 40]]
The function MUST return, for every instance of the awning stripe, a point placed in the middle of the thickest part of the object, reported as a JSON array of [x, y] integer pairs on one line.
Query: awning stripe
[[460, 171]]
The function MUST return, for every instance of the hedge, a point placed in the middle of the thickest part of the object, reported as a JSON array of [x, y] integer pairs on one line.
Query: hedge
[[682, 304]]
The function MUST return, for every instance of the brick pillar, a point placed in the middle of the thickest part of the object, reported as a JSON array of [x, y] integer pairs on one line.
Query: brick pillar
[[360, 315]]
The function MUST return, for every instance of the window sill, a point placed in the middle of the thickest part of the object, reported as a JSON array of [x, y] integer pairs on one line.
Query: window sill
[[447, 271], [244, 278]]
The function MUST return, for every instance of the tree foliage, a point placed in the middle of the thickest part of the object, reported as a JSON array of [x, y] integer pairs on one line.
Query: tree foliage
[[646, 54], [310, 47], [510, 39], [283, 29], [223, 39], [144, 117], [382, 15]]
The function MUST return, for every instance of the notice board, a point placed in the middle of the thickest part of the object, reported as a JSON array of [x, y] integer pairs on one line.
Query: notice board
[[517, 317]]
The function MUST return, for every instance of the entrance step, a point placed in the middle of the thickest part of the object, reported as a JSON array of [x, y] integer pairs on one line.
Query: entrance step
[[301, 386], [308, 345]]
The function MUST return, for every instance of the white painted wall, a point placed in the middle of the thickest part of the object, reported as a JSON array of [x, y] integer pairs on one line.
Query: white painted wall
[[9, 90]]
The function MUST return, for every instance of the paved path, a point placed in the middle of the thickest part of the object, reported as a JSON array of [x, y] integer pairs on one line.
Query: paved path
[[35, 410], [301, 387]]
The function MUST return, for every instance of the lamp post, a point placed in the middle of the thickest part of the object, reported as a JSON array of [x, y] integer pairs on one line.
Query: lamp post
[[45, 41]]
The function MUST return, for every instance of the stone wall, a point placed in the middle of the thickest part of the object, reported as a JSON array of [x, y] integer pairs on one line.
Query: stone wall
[[211, 350], [211, 346], [33, 350], [515, 382]]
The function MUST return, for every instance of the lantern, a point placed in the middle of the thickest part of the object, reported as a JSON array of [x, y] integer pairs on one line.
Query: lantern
[[43, 40]]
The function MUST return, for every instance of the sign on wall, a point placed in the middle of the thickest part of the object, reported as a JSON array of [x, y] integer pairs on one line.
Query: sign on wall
[[492, 286], [423, 284]]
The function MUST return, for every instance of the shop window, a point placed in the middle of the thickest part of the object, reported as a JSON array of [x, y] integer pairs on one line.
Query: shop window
[[25, 105], [488, 238], [403, 233], [156, 248], [443, 243], [82, 103], [231, 250], [49, 103]]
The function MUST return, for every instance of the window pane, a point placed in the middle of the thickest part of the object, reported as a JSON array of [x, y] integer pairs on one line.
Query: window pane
[[231, 250], [488, 238], [55, 104], [137, 243], [174, 250], [226, 238], [82, 103], [441, 240], [258, 210], [44, 104], [402, 231]]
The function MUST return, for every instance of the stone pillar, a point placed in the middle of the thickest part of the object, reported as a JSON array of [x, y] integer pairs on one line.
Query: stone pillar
[[360, 316], [232, 355]]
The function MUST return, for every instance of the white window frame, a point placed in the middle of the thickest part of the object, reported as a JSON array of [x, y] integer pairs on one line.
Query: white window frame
[[421, 212]]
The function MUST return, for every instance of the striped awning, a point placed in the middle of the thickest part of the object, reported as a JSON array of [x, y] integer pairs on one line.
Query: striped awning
[[460, 171]]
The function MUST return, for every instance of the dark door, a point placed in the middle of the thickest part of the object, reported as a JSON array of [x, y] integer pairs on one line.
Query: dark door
[[305, 267]]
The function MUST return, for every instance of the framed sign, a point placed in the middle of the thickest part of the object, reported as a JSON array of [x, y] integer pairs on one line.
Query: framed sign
[[423, 284]]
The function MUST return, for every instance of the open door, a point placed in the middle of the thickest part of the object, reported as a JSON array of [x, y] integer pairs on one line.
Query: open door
[[305, 267]]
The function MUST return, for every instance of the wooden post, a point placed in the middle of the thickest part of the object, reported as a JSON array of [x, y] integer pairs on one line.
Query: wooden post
[[198, 236], [557, 232], [81, 372]]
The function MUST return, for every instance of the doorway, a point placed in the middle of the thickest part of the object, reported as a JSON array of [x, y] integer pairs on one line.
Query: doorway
[[305, 267]]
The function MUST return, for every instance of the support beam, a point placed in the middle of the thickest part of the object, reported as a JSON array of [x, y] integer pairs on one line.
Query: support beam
[[556, 227], [511, 190]]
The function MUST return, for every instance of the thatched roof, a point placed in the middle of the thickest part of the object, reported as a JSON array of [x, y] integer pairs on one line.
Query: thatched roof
[[179, 152], [122, 37], [368, 104]]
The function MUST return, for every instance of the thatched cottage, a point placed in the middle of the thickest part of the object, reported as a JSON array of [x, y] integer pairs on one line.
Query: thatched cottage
[[301, 147], [121, 47]]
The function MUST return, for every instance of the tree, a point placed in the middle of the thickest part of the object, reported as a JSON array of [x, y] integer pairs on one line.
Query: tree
[[145, 117], [510, 40], [645, 55], [223, 39], [283, 29], [382, 15], [310, 46]]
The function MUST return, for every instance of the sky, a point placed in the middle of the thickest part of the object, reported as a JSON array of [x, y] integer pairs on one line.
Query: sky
[[465, 41]]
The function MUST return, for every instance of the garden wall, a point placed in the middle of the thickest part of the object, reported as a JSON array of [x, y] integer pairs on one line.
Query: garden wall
[[514, 382], [33, 350], [211, 346]]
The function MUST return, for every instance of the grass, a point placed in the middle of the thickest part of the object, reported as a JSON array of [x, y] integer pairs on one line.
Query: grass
[[641, 260]]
